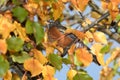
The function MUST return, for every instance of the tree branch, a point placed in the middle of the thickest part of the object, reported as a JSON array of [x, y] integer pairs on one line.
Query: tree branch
[[97, 21], [112, 35]]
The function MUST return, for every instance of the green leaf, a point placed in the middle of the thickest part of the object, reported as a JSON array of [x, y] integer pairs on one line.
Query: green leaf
[[106, 48], [20, 13], [29, 27], [55, 60], [82, 76], [118, 30], [118, 17], [38, 32], [20, 57], [4, 66], [16, 2], [15, 44], [66, 61]]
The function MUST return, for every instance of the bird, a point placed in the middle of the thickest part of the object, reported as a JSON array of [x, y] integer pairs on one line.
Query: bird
[[56, 33]]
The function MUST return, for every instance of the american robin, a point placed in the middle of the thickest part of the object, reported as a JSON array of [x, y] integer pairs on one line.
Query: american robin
[[64, 41], [54, 34]]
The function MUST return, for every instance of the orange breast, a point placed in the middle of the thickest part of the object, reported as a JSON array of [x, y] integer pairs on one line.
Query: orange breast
[[55, 35]]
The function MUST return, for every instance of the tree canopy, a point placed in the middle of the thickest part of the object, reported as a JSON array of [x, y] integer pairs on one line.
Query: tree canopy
[[38, 36]]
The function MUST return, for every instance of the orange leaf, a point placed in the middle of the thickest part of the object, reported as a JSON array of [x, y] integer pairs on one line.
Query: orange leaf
[[8, 14], [39, 56], [112, 6], [71, 53], [8, 76], [96, 50], [57, 10], [86, 22], [3, 47], [34, 66], [71, 50], [77, 33], [84, 56], [80, 4], [48, 73]]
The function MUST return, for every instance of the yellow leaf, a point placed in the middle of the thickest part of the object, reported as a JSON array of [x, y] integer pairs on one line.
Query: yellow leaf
[[31, 7], [8, 76], [77, 33], [114, 54], [104, 5], [3, 47], [84, 56], [43, 11], [100, 37], [71, 73], [89, 36], [39, 56], [96, 50], [48, 73], [86, 22], [34, 66], [80, 4], [6, 26], [49, 50], [100, 58], [46, 36], [95, 15], [107, 73], [21, 31]]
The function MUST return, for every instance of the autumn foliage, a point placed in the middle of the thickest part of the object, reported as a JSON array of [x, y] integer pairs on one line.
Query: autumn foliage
[[38, 36]]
